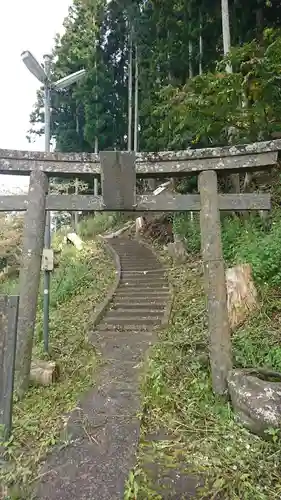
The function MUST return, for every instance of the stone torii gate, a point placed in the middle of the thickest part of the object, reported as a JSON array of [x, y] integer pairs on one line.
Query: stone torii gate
[[118, 173]]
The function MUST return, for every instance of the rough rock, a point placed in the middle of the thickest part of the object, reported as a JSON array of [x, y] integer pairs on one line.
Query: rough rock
[[75, 240], [177, 251], [256, 398]]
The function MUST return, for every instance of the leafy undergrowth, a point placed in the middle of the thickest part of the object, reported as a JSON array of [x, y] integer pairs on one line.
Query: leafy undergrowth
[[177, 397], [80, 283], [10, 242], [102, 222]]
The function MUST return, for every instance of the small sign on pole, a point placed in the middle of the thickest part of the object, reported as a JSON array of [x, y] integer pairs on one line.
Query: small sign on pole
[[47, 263]]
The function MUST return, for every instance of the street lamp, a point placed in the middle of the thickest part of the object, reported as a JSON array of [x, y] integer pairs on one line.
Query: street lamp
[[42, 73]]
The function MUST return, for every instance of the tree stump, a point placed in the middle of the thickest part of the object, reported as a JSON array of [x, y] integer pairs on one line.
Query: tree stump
[[242, 297]]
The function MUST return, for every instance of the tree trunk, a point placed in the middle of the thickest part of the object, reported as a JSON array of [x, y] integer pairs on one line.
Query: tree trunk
[[225, 30], [136, 126], [259, 20], [190, 46], [234, 178], [201, 46], [130, 88]]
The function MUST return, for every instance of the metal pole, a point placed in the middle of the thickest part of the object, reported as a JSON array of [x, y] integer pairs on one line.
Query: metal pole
[[47, 242], [76, 216], [96, 182]]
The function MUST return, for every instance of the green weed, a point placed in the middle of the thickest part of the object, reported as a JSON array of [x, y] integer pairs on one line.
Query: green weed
[[77, 286], [100, 223], [178, 397]]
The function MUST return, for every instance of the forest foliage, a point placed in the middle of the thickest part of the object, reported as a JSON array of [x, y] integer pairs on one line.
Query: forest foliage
[[186, 96]]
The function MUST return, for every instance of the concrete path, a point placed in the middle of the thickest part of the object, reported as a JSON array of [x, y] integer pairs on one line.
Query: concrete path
[[104, 430]]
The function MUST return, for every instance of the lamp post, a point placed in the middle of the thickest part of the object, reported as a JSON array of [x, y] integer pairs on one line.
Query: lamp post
[[42, 73]]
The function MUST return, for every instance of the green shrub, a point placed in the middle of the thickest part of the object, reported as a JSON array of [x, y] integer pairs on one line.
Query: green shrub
[[263, 251], [188, 230], [100, 223], [232, 229], [72, 275], [243, 240]]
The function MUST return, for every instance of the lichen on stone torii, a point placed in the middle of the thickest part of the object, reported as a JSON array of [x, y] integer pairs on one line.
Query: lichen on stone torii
[[239, 157]]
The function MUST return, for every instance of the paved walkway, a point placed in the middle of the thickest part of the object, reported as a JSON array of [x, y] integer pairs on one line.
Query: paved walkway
[[105, 429]]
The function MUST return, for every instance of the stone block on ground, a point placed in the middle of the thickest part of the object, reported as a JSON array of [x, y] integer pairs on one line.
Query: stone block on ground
[[177, 251], [75, 240], [44, 372], [256, 398]]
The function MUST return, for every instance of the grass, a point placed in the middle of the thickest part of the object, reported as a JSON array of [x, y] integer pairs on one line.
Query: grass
[[102, 222], [178, 397], [79, 283]]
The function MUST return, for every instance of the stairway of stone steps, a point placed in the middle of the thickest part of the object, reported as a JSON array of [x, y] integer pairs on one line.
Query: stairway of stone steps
[[143, 291], [105, 426]]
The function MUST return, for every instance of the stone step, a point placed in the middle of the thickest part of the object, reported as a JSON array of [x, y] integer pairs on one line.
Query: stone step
[[137, 267], [120, 320], [105, 327], [144, 271], [137, 256], [134, 255], [136, 249], [150, 286], [148, 298], [144, 278], [137, 306], [142, 290], [152, 272], [138, 313], [144, 283], [111, 336], [138, 264]]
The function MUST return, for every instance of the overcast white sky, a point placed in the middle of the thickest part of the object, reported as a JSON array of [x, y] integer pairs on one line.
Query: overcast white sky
[[24, 25]]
